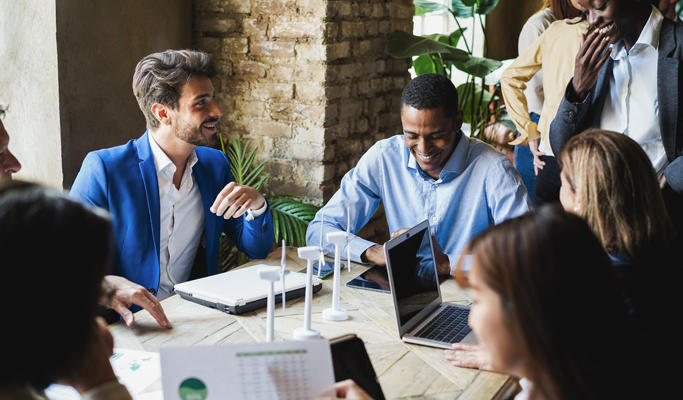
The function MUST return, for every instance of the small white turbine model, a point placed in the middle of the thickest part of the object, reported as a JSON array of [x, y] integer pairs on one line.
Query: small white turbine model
[[336, 313], [348, 239], [270, 274], [283, 272], [321, 261], [310, 253]]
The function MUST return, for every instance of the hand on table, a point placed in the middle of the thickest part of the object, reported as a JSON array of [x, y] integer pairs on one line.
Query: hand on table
[[126, 293], [538, 163], [588, 62], [94, 368], [348, 389], [375, 254], [234, 200], [468, 356]]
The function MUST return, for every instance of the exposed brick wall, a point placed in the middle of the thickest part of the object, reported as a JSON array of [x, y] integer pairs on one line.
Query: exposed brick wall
[[308, 81]]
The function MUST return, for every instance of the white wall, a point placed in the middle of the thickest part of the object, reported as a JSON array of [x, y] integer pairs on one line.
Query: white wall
[[29, 86]]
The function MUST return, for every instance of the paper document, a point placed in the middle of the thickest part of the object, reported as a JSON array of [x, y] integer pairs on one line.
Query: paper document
[[277, 370], [139, 371]]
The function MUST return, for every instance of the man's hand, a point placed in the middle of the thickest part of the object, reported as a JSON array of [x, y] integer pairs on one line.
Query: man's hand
[[348, 389], [443, 264], [126, 293], [375, 255], [469, 356], [538, 163], [234, 200], [588, 62], [94, 369]]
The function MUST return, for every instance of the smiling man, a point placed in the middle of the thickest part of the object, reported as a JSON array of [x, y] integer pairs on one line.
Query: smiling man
[[432, 171], [170, 196], [628, 78]]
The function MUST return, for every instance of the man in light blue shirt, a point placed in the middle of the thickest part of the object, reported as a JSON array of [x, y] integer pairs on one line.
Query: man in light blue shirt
[[432, 172]]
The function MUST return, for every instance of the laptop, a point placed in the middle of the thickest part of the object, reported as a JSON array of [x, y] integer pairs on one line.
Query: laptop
[[241, 290], [421, 315]]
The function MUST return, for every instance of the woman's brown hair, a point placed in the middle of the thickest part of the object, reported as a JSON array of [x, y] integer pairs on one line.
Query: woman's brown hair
[[618, 191], [558, 289], [561, 9]]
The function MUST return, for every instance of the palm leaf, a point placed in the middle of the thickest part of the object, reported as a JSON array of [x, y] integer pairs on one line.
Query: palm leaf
[[293, 217]]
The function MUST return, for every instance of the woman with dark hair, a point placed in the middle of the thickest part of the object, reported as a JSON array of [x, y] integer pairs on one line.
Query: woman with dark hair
[[546, 306], [54, 252], [552, 314]]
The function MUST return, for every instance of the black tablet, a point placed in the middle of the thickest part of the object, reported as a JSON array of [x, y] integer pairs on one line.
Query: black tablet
[[351, 361], [375, 279]]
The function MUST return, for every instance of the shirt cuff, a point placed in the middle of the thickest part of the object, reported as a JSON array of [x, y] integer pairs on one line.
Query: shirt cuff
[[108, 390], [253, 214], [358, 246]]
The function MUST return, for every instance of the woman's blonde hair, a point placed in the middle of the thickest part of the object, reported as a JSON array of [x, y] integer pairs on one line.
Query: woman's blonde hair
[[618, 191]]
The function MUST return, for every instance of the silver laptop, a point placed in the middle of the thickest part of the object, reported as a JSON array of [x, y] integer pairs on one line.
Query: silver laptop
[[241, 290], [422, 317]]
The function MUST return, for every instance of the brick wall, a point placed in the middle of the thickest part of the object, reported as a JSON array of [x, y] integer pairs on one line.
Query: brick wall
[[308, 81]]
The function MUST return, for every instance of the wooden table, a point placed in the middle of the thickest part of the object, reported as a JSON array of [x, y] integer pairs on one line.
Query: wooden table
[[404, 370]]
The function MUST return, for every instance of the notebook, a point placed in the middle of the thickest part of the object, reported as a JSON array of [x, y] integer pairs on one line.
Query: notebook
[[241, 290], [421, 315]]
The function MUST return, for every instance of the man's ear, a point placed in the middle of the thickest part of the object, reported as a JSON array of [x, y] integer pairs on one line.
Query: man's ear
[[161, 113]]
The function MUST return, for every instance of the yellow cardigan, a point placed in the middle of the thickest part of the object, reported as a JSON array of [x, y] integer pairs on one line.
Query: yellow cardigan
[[554, 52]]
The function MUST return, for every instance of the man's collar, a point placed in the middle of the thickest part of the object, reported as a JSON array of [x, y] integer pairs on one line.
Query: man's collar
[[456, 163], [649, 36], [162, 161]]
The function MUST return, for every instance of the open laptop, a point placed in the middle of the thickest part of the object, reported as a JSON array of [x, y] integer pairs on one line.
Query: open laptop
[[422, 317], [241, 290]]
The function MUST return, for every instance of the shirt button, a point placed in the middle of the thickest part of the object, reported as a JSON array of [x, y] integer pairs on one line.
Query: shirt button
[[569, 116]]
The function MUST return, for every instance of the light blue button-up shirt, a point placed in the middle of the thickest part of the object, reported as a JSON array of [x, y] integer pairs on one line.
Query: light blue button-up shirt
[[477, 187]]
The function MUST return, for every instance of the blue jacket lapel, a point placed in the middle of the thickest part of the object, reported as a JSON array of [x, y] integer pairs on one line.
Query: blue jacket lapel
[[149, 179], [667, 87]]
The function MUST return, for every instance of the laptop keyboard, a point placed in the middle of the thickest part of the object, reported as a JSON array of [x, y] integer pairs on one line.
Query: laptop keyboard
[[449, 326]]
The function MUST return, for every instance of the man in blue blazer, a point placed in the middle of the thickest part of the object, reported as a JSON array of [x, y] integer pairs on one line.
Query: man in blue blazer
[[168, 194]]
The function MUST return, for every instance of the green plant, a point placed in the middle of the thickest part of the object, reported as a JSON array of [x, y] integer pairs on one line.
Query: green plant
[[438, 54], [291, 216]]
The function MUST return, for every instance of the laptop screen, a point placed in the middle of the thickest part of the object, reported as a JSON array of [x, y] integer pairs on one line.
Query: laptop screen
[[413, 272]]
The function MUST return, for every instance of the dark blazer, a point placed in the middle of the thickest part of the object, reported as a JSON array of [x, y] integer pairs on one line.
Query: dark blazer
[[574, 118], [123, 181]]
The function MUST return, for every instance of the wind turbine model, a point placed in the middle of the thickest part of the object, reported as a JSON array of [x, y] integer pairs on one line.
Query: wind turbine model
[[270, 274], [321, 261], [336, 313], [310, 253], [283, 271], [348, 240]]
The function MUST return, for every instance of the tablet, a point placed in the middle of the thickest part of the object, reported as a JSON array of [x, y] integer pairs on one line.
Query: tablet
[[351, 361], [375, 279]]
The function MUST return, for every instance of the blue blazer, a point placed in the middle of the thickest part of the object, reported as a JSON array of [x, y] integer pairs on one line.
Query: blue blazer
[[123, 180]]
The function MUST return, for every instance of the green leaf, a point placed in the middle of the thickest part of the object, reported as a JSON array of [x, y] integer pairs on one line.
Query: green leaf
[[439, 38], [477, 66], [424, 65], [460, 10], [455, 36], [292, 218], [465, 8], [402, 45], [468, 103], [428, 6], [485, 6]]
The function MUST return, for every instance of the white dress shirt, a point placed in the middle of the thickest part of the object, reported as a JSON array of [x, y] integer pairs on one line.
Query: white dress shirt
[[181, 221], [631, 106]]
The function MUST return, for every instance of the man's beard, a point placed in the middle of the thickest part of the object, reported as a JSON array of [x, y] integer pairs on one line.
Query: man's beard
[[193, 135]]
